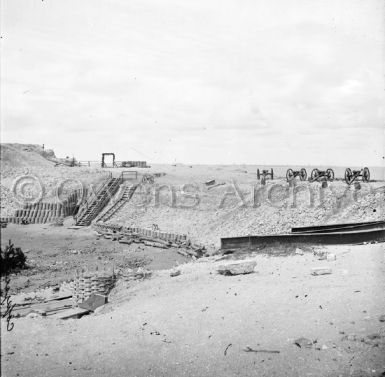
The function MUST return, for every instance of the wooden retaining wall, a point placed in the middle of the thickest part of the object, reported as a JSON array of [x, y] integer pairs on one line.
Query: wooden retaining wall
[[41, 213], [173, 237]]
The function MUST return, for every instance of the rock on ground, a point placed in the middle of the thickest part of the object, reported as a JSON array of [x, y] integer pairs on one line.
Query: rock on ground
[[237, 268]]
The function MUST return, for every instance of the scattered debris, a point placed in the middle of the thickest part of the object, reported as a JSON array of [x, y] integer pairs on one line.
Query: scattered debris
[[148, 178], [321, 271], [322, 255], [150, 237], [159, 245], [237, 268], [210, 183], [374, 339], [360, 373], [325, 255], [32, 315], [373, 336], [350, 337], [47, 308], [175, 273], [216, 185], [249, 349], [303, 343], [228, 346], [142, 273], [130, 274]]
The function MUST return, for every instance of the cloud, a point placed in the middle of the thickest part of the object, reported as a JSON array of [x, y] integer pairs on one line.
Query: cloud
[[219, 73]]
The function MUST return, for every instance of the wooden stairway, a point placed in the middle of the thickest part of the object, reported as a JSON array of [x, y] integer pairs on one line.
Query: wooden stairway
[[92, 207], [128, 191]]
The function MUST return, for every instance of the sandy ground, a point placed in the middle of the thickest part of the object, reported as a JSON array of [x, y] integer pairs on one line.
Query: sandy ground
[[182, 326], [55, 253]]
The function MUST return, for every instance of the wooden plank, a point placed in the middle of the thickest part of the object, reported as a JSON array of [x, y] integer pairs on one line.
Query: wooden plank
[[31, 303], [70, 313], [56, 310], [127, 242], [22, 312], [43, 307], [53, 307]]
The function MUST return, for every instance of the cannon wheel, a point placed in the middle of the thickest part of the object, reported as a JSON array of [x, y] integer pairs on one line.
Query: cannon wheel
[[314, 174], [330, 174], [272, 174], [303, 174], [348, 176], [289, 175], [258, 174], [366, 175]]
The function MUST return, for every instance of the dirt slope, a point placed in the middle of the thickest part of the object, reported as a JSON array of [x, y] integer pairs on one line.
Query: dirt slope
[[182, 326], [15, 157], [18, 160]]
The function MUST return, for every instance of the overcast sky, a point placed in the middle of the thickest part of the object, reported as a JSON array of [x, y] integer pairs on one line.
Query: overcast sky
[[199, 81]]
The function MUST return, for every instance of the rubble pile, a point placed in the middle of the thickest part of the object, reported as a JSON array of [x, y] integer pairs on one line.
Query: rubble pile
[[219, 214]]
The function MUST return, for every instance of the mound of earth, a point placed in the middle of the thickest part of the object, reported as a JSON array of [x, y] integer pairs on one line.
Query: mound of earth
[[15, 157], [18, 160]]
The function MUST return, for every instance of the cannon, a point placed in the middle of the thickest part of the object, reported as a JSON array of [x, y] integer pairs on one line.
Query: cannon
[[352, 175], [265, 173], [291, 174], [324, 175]]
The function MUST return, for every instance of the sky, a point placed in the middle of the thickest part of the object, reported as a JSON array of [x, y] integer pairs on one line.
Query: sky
[[204, 81]]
